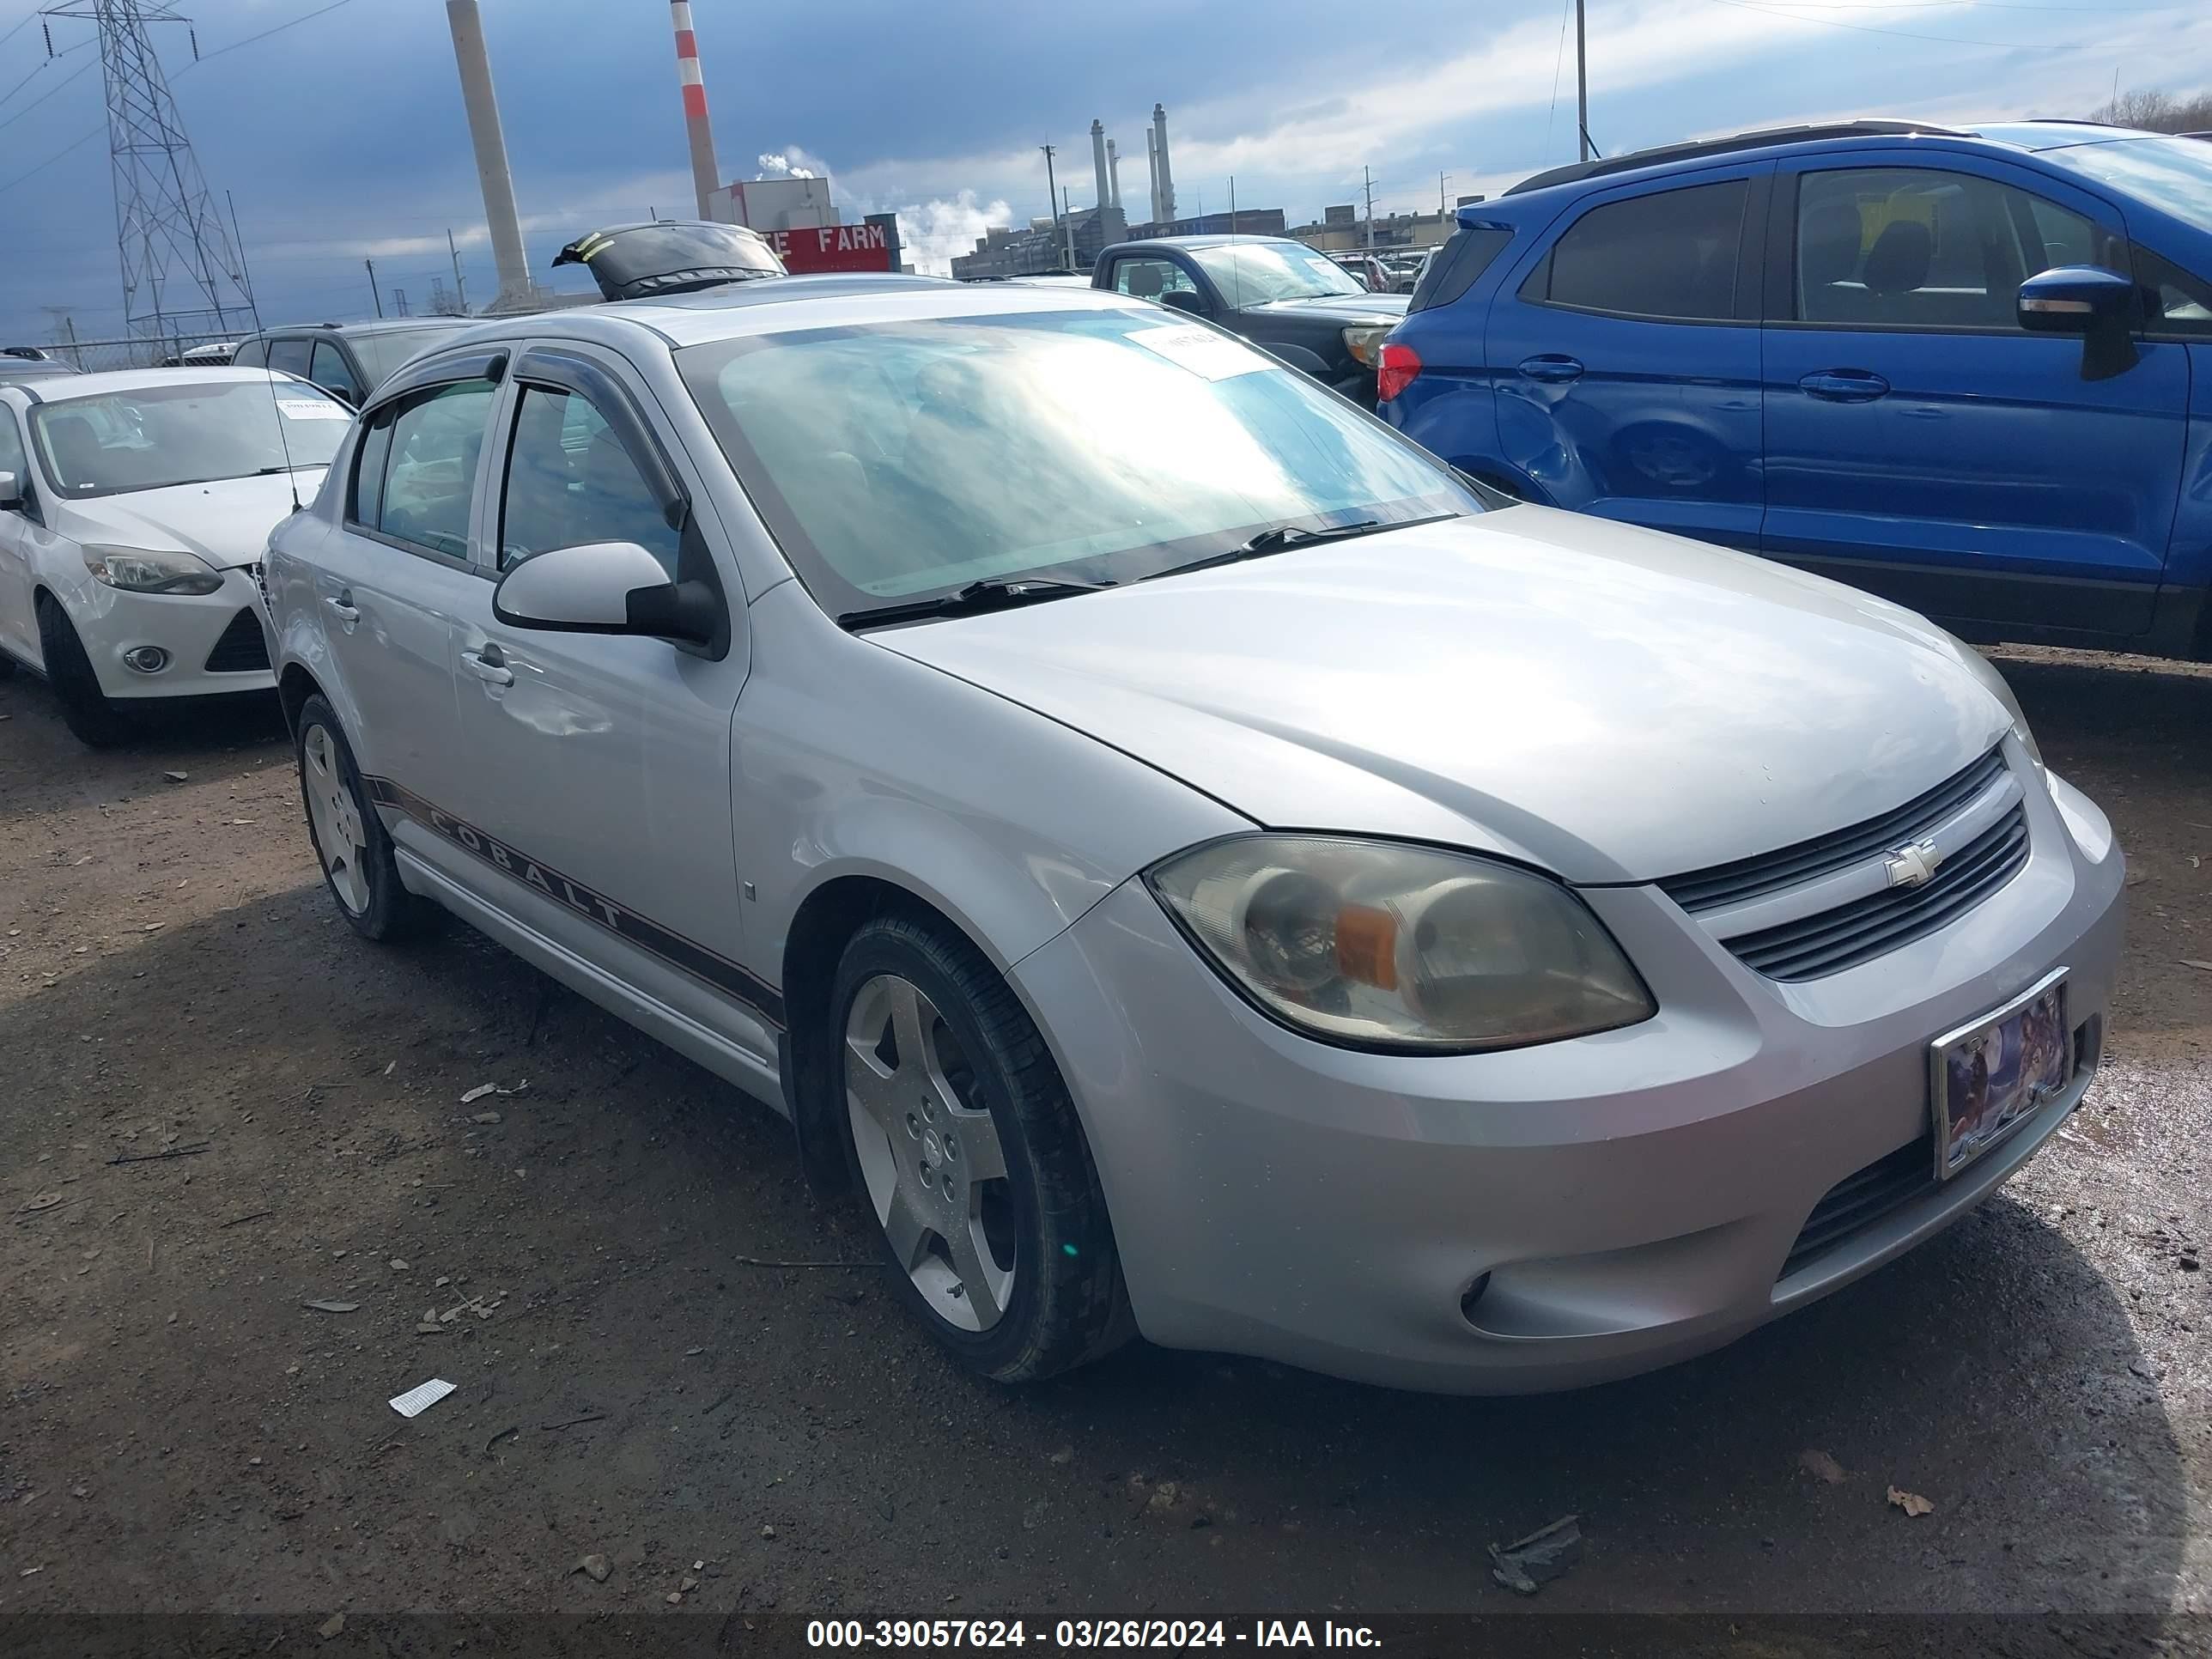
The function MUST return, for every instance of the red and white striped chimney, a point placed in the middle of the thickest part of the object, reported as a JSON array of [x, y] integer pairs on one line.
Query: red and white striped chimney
[[706, 178]]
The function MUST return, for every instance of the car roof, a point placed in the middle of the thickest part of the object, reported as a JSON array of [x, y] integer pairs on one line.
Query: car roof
[[2013, 135], [134, 379], [787, 304], [1218, 239], [370, 325]]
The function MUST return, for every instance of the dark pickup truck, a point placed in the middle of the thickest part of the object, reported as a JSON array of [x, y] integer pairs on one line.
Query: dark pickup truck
[[1276, 293]]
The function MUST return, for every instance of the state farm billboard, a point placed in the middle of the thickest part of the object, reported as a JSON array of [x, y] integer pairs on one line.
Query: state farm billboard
[[833, 248]]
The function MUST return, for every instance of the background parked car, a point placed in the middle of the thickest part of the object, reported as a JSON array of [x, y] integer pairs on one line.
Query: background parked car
[[1953, 367], [28, 365], [1275, 292], [133, 507], [347, 360]]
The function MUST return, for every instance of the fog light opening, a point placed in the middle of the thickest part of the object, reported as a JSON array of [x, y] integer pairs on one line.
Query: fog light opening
[[1470, 1297], [146, 658]]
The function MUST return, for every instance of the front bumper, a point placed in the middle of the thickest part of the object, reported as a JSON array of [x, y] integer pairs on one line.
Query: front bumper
[[1632, 1197], [112, 622]]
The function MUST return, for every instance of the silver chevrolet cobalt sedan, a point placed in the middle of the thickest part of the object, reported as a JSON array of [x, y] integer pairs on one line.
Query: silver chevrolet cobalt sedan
[[1186, 861]]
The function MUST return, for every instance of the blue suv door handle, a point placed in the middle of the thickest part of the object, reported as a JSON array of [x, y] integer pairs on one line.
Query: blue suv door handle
[[1845, 385], [1552, 367]]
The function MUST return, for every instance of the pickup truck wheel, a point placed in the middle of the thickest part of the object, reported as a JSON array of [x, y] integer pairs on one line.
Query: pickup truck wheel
[[86, 710], [971, 1158], [351, 842]]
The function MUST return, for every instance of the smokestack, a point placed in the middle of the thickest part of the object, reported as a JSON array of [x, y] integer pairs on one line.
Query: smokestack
[[491, 142], [706, 177], [1098, 162], [1113, 173], [1167, 178], [1152, 165]]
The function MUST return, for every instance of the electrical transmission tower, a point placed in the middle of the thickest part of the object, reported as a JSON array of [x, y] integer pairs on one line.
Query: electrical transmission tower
[[181, 272]]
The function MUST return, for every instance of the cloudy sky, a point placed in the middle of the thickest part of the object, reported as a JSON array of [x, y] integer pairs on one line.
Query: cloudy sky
[[341, 136]]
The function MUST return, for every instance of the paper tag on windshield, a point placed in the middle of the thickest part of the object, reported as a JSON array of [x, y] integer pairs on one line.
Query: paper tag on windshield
[[313, 409], [1203, 352]]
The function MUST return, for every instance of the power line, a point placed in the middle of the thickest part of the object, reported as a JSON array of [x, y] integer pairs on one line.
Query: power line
[[305, 17], [47, 94], [1558, 57]]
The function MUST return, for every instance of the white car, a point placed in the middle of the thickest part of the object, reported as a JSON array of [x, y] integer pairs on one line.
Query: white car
[[133, 509]]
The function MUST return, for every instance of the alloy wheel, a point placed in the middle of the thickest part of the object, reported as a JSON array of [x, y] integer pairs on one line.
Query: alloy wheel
[[930, 1153]]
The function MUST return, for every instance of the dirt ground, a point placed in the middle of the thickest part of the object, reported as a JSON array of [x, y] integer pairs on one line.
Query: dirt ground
[[183, 1431]]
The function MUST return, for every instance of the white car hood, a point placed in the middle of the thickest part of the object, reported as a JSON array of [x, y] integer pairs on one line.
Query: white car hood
[[1608, 703], [226, 522]]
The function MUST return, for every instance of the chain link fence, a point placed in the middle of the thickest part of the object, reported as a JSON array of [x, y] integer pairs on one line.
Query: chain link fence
[[94, 356]]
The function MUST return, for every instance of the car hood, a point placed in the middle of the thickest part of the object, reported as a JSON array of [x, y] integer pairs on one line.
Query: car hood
[[1608, 703], [226, 522], [1347, 308]]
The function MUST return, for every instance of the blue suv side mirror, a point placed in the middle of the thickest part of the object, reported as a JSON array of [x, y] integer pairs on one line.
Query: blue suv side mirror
[[2097, 305]]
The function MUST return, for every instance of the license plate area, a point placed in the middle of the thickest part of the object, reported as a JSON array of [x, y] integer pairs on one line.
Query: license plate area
[[1988, 1076]]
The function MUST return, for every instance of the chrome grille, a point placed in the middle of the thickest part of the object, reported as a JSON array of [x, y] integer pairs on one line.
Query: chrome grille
[[1725, 884]]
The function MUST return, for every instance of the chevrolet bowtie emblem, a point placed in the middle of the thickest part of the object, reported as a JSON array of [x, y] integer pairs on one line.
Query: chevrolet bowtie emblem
[[1913, 865]]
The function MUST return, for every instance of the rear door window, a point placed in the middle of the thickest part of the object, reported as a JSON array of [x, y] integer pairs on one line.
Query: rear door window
[[254, 354], [425, 452], [1672, 254]]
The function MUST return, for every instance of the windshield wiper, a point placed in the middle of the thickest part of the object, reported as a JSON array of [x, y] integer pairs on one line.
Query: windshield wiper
[[996, 593], [1275, 539]]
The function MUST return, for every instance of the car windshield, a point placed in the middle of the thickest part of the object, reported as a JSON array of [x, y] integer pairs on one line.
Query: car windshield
[[381, 353], [1253, 273], [151, 437], [2172, 174], [903, 460]]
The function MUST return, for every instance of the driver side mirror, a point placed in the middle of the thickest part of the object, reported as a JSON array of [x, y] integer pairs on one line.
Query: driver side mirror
[[606, 587], [11, 492], [2097, 305], [1183, 299], [350, 399]]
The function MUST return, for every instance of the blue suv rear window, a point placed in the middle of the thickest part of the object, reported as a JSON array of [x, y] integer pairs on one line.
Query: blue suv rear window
[[1453, 271]]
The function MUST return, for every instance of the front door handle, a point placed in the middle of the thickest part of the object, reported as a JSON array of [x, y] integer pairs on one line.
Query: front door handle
[[1845, 385], [1552, 367], [342, 607], [490, 665]]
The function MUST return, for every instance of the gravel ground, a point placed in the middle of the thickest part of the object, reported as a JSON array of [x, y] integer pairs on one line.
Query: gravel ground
[[182, 1432]]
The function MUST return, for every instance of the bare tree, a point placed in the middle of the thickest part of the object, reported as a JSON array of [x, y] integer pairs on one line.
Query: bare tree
[[2153, 110]]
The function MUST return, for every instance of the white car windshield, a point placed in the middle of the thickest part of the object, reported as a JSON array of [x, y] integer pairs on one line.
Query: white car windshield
[[153, 437], [1253, 273], [904, 460]]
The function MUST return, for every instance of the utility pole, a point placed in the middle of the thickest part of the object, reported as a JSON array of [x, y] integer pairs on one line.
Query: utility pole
[[399, 301], [373, 293], [1582, 83], [1051, 188], [1232, 205], [1367, 183], [1067, 224], [1443, 180], [460, 286]]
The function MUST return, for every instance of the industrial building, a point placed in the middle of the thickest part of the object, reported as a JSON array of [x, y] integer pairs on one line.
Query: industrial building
[[1042, 245], [1342, 230]]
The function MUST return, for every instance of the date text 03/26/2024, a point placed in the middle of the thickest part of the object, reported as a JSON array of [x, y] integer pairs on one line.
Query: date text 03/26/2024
[[882, 1633]]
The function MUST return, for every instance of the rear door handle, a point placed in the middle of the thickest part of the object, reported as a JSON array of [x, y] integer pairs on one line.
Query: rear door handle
[[490, 665], [1552, 367], [1845, 385], [342, 607]]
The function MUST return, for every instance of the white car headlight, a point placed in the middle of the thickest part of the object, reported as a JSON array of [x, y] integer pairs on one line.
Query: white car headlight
[[137, 571], [1365, 342], [1375, 945]]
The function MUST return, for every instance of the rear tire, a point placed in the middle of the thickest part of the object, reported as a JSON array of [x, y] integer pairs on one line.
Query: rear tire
[[351, 842], [970, 1157], [86, 710]]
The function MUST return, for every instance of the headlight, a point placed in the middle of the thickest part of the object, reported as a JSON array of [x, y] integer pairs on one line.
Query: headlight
[[1365, 342], [139, 572], [1373, 945], [1994, 682]]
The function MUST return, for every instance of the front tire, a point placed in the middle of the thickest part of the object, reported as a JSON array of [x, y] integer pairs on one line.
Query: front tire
[[86, 710], [351, 842], [970, 1158]]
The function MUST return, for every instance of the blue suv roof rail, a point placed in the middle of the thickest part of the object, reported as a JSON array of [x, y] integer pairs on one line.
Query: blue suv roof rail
[[1575, 172]]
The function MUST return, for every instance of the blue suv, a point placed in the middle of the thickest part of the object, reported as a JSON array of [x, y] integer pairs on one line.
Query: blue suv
[[1967, 370]]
